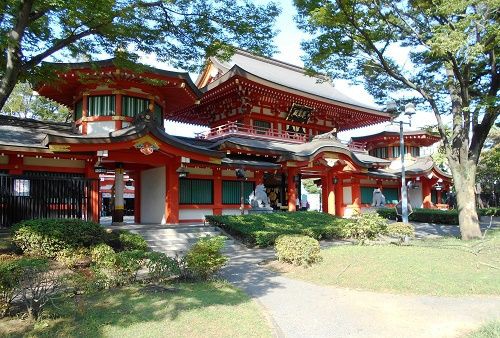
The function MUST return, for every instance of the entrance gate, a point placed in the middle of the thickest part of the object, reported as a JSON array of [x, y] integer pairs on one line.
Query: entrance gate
[[46, 195]]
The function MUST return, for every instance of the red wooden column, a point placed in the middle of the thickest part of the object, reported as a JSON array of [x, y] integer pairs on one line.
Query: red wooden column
[[356, 194], [95, 201], [16, 163], [137, 197], [85, 111], [172, 192], [259, 177], [440, 196], [426, 193], [217, 173], [292, 189], [119, 111], [339, 192]]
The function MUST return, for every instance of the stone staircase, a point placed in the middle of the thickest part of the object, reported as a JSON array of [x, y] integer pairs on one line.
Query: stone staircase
[[176, 239]]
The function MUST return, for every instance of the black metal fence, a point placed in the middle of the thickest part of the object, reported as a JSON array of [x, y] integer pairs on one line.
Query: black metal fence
[[46, 195]]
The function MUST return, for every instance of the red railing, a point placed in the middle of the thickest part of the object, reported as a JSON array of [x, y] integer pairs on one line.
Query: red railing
[[356, 146], [238, 129]]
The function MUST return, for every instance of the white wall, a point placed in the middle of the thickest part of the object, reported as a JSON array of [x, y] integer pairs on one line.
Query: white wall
[[347, 195], [153, 192], [185, 214], [232, 211], [100, 128]]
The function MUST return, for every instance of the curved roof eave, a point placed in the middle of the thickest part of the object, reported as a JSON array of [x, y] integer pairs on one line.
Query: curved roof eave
[[110, 63], [128, 134], [238, 70]]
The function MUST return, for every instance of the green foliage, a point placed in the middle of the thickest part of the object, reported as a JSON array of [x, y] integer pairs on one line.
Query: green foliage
[[488, 169], [47, 237], [161, 268], [297, 249], [24, 103], [400, 229], [15, 277], [424, 215], [310, 186], [112, 268], [439, 65], [205, 258], [489, 212], [365, 226], [182, 33], [130, 241], [73, 257], [263, 229]]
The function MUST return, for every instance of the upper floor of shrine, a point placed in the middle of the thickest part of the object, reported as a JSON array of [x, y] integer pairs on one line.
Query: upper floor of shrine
[[248, 96]]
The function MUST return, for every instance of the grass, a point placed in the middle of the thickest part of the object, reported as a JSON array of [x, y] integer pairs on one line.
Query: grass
[[195, 310], [263, 229], [489, 330], [435, 267]]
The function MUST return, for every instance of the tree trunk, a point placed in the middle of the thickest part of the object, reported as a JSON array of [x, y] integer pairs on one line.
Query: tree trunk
[[464, 180]]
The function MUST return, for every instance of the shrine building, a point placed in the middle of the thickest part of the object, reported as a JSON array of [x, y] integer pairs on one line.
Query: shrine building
[[269, 123]]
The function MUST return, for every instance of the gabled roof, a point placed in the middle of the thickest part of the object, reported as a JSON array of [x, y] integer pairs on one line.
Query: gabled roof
[[177, 88], [424, 138], [273, 72]]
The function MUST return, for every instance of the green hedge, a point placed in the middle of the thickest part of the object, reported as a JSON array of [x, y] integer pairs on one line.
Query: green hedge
[[50, 237], [263, 229], [435, 215], [297, 249], [424, 215]]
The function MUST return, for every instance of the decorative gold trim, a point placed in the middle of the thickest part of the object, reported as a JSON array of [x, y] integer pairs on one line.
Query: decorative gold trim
[[117, 91], [84, 118], [118, 118], [59, 148], [214, 160], [146, 139], [291, 164]]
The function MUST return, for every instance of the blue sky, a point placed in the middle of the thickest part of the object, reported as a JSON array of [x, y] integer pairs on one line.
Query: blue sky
[[288, 43]]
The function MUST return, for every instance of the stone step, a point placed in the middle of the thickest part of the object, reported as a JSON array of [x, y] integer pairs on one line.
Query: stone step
[[172, 236]]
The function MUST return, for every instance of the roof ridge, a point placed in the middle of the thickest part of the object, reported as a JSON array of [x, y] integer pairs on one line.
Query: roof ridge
[[279, 63], [31, 121]]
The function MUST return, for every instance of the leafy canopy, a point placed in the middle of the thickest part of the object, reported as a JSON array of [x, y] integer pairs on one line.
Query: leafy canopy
[[452, 65], [181, 32]]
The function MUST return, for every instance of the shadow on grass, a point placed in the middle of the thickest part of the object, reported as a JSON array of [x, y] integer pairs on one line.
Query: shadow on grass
[[132, 309]]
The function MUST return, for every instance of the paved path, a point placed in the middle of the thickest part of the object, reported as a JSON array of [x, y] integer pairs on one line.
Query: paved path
[[302, 309]]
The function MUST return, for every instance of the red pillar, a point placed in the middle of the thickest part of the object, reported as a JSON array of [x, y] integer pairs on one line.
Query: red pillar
[[356, 195], [95, 201], [426, 193], [292, 189], [339, 192], [172, 192], [259, 177], [137, 197], [217, 191], [16, 163], [119, 111]]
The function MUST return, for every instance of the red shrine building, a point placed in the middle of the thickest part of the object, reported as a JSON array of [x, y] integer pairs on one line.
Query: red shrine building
[[268, 123]]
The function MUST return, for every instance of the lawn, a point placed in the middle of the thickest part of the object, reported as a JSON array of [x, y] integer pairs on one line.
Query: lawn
[[263, 229], [489, 330], [194, 310], [435, 267]]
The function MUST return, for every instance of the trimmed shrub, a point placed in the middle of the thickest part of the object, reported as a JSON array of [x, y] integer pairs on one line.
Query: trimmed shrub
[[72, 257], [47, 237], [127, 264], [29, 279], [489, 212], [161, 267], [122, 240], [205, 258], [400, 229], [297, 249], [437, 216], [365, 226], [263, 229], [103, 255]]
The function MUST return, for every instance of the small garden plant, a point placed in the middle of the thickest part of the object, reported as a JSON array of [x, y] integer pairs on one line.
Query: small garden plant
[[297, 249]]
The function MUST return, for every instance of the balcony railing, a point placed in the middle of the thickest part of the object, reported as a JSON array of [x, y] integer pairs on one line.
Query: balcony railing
[[240, 130], [356, 146]]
